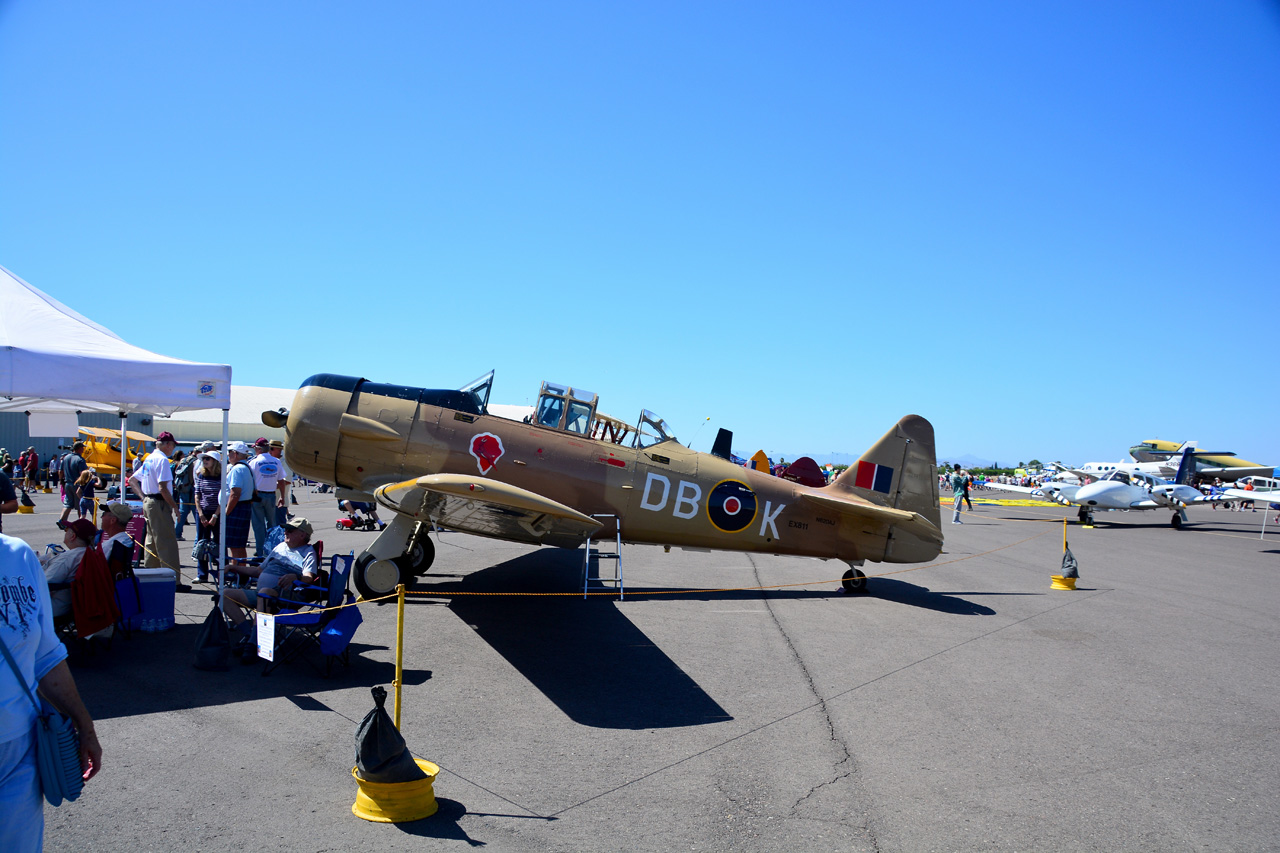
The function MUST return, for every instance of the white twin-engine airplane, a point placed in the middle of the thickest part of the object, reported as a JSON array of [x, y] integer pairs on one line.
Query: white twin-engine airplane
[[1121, 490]]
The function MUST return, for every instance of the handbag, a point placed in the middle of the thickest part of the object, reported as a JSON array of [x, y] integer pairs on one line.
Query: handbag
[[57, 746]]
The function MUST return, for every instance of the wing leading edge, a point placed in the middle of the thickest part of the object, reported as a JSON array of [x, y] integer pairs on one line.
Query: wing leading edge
[[488, 508]]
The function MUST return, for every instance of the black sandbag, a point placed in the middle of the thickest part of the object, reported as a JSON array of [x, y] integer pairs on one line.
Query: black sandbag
[[381, 753], [1070, 569], [213, 644]]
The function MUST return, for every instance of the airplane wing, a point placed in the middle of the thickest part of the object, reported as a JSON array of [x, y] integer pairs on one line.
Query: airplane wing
[[910, 522], [1246, 495], [1025, 490], [488, 508], [1258, 471]]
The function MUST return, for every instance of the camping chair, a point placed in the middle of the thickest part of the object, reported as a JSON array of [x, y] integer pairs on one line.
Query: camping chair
[[128, 594], [300, 623], [93, 600]]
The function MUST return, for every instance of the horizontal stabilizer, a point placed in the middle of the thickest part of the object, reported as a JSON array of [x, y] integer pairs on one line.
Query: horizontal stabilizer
[[910, 522]]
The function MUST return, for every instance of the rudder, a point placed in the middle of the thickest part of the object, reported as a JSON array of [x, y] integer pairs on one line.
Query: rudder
[[899, 471]]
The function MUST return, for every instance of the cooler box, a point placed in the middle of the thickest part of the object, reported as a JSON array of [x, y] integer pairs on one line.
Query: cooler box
[[156, 587]]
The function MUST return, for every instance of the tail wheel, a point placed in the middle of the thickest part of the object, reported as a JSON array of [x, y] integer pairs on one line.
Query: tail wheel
[[854, 582], [375, 578], [418, 559]]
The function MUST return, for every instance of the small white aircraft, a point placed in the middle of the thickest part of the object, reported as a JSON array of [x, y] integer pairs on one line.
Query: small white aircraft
[[1167, 468], [1121, 490]]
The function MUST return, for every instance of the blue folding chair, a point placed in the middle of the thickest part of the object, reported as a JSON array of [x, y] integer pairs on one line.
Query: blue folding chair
[[325, 624]]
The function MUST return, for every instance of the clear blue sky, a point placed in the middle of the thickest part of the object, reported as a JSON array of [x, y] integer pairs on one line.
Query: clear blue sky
[[1051, 228]]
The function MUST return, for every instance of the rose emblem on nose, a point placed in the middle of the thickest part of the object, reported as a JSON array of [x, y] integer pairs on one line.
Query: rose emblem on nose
[[487, 450]]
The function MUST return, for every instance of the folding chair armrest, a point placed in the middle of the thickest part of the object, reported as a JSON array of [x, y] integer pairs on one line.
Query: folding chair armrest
[[57, 585]]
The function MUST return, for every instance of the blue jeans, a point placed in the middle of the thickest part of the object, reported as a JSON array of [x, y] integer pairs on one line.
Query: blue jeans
[[261, 522], [21, 802], [185, 507]]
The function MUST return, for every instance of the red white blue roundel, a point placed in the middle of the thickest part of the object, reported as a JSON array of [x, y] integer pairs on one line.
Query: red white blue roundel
[[731, 506]]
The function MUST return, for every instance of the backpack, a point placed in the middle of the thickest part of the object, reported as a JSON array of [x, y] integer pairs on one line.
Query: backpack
[[184, 476]]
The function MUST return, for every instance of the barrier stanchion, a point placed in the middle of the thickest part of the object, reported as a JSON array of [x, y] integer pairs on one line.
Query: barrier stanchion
[[399, 650]]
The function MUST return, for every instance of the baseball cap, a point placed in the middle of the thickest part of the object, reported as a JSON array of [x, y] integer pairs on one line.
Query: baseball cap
[[122, 512], [241, 448], [83, 529], [262, 442], [299, 523], [165, 436]]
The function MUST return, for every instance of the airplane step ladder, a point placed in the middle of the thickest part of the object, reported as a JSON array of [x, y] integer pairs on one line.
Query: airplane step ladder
[[592, 580]]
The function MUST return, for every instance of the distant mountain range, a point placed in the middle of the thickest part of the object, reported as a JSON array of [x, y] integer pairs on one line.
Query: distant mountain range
[[968, 460]]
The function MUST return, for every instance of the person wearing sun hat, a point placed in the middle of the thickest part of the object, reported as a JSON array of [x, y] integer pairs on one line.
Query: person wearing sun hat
[[237, 481]]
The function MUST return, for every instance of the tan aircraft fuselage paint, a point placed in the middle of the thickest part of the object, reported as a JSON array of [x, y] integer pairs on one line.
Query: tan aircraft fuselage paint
[[665, 494]]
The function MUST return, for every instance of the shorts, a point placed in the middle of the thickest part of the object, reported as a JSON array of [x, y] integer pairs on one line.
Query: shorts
[[238, 525]]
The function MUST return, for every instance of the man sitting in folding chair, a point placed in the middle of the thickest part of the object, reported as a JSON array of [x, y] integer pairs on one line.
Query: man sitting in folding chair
[[291, 559], [60, 566]]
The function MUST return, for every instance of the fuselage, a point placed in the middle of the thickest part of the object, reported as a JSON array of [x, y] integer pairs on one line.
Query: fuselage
[[361, 435]]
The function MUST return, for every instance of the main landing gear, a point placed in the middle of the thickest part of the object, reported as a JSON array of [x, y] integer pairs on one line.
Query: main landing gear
[[1085, 516], [1179, 518], [402, 552], [854, 582]]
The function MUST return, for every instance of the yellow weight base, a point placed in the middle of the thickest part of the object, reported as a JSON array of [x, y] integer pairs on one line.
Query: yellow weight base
[[1059, 582], [47, 491], [27, 509], [397, 802]]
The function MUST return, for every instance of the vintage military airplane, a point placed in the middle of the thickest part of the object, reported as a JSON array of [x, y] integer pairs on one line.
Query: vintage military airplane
[[1122, 490], [1222, 464], [566, 472]]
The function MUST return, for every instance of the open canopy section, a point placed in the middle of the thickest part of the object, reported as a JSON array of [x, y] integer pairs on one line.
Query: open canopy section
[[54, 360]]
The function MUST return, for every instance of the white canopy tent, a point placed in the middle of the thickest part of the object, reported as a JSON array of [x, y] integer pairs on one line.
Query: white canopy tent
[[54, 361]]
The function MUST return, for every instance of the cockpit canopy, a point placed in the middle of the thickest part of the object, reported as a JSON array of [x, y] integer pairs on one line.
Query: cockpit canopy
[[1135, 479], [574, 410]]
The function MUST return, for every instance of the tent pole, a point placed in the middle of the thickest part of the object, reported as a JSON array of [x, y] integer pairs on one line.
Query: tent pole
[[223, 492], [124, 443]]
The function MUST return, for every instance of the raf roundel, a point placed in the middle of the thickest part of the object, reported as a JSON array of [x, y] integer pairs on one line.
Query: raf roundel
[[731, 506]]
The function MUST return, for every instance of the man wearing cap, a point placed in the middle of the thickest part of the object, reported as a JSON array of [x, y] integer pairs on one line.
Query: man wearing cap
[[154, 481], [286, 483], [237, 480], [291, 559], [72, 466], [267, 480], [115, 517], [61, 568]]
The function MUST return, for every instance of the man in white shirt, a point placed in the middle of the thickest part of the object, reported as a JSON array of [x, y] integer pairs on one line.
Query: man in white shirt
[[154, 481], [286, 482], [268, 481]]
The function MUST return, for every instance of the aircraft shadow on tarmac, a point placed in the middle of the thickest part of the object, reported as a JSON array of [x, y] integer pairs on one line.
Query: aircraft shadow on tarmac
[[587, 657], [591, 661]]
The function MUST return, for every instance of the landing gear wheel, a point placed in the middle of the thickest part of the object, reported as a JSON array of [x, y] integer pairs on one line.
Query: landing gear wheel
[[854, 582], [376, 578], [421, 554], [1083, 516], [1176, 522]]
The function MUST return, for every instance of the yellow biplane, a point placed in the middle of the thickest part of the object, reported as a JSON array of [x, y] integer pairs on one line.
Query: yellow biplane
[[102, 448]]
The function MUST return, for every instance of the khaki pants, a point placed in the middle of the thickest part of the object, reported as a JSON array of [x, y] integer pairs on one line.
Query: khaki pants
[[161, 543]]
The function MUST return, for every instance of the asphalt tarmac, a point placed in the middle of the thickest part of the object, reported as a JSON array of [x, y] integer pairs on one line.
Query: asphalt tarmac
[[961, 705]]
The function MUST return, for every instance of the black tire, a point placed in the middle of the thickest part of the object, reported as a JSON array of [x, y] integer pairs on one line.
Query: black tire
[[1177, 521], [1083, 516], [418, 559], [382, 584], [854, 582]]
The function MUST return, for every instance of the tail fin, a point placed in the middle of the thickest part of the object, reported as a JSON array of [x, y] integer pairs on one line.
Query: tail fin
[[899, 471]]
